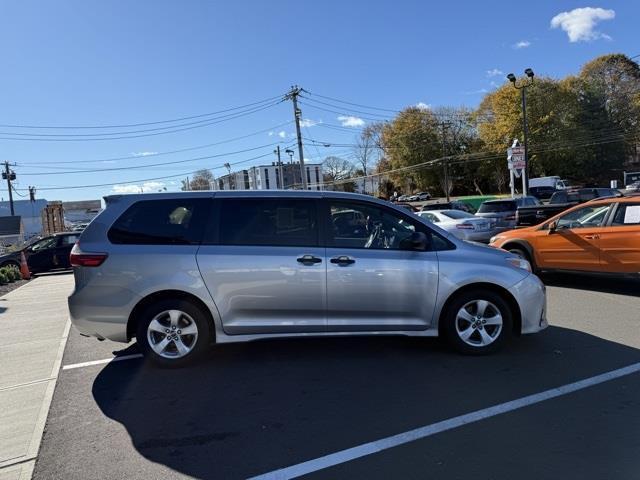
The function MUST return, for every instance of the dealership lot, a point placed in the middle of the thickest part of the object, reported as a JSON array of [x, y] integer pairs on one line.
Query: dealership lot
[[252, 409]]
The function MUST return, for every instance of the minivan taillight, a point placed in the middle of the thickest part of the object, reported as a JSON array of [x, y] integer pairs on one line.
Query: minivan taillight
[[78, 258]]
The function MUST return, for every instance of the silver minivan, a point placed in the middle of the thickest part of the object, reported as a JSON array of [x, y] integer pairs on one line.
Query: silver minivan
[[181, 271]]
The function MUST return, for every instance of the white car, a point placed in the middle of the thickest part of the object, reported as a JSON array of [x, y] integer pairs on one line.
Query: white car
[[463, 225]]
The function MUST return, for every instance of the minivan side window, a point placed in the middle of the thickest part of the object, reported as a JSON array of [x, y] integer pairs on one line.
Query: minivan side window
[[179, 221], [284, 222], [361, 225]]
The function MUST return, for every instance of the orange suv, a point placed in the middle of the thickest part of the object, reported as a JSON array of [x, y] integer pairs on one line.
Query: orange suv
[[598, 236]]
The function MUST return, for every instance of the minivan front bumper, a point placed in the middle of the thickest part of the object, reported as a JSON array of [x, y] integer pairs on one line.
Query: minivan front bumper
[[531, 295]]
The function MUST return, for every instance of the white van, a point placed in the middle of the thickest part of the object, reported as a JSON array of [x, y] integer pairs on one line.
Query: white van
[[553, 182]]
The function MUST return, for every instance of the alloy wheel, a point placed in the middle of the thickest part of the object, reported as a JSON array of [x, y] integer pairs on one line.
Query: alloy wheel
[[172, 334], [478, 323]]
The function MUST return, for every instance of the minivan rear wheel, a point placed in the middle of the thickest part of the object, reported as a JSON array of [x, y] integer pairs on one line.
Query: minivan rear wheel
[[478, 322], [172, 333]]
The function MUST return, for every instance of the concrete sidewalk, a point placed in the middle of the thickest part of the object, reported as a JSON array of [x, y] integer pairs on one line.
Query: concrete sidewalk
[[34, 329]]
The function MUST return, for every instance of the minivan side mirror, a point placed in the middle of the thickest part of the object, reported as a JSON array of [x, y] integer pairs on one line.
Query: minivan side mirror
[[553, 226], [416, 241]]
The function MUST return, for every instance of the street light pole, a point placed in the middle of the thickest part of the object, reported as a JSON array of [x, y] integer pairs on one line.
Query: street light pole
[[525, 127]]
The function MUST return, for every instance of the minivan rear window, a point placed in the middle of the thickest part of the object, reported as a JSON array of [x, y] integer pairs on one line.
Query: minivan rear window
[[494, 207], [268, 222], [178, 221]]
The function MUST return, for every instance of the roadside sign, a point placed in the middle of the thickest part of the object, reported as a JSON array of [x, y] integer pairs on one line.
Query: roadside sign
[[515, 158]]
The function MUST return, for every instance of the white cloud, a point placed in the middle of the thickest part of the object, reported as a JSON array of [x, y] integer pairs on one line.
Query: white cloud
[[282, 134], [307, 122], [272, 133], [350, 121], [423, 106], [476, 92], [143, 154], [134, 188], [580, 23], [494, 72], [522, 44]]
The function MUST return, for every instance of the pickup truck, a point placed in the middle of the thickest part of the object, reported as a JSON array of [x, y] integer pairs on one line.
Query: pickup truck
[[559, 202]]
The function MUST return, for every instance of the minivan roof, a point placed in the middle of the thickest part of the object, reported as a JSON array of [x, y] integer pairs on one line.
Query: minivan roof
[[243, 193]]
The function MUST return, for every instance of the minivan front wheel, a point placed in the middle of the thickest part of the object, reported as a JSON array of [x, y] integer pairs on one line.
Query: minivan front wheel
[[173, 332], [478, 322]]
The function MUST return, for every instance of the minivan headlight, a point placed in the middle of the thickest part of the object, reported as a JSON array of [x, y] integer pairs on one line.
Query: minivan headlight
[[520, 263]]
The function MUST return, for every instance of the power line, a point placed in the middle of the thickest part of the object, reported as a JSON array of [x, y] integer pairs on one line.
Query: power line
[[157, 154], [165, 177], [200, 124], [68, 127], [175, 162]]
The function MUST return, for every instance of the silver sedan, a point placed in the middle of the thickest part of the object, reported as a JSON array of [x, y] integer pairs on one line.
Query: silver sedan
[[463, 225]]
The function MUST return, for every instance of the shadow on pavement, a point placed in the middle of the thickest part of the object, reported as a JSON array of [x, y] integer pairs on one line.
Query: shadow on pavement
[[247, 409], [594, 283]]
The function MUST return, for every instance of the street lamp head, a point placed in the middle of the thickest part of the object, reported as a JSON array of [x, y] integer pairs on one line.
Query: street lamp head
[[512, 78], [529, 73]]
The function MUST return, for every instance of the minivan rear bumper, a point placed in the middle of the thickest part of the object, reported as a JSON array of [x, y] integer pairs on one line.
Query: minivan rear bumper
[[102, 312], [531, 295]]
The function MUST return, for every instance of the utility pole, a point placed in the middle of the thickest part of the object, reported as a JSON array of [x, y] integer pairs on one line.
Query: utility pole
[[9, 175], [445, 160], [279, 163], [293, 96]]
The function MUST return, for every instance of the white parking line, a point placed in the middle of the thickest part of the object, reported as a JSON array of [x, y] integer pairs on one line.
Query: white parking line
[[101, 362], [376, 446]]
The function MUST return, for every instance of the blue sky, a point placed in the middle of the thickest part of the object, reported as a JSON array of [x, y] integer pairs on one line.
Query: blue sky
[[87, 63]]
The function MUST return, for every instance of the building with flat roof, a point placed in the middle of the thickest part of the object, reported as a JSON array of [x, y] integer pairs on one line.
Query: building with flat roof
[[272, 177]]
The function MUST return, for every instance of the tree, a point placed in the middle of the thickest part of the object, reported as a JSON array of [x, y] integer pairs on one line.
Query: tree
[[551, 115], [412, 139], [336, 168], [366, 150], [201, 180], [582, 127]]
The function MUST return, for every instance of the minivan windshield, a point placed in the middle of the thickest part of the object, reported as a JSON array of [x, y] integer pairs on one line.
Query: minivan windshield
[[495, 207]]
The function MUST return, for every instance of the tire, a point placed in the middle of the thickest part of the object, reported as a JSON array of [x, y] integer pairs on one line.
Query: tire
[[456, 327], [10, 264], [165, 319]]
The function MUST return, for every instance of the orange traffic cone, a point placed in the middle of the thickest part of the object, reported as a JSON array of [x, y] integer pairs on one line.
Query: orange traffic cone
[[24, 268]]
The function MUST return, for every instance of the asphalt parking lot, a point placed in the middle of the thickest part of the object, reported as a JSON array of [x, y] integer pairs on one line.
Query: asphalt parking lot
[[252, 409]]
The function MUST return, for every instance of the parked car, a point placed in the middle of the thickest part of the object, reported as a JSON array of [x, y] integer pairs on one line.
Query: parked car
[[423, 196], [45, 254], [180, 271], [503, 211], [403, 198], [542, 193], [554, 182], [406, 206], [633, 188], [452, 205], [559, 202], [602, 235], [413, 198], [463, 225]]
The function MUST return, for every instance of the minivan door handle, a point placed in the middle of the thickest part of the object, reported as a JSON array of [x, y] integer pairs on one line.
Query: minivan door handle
[[343, 260], [309, 259]]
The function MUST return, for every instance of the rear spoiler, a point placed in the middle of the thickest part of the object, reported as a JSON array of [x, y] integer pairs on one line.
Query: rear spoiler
[[109, 199]]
